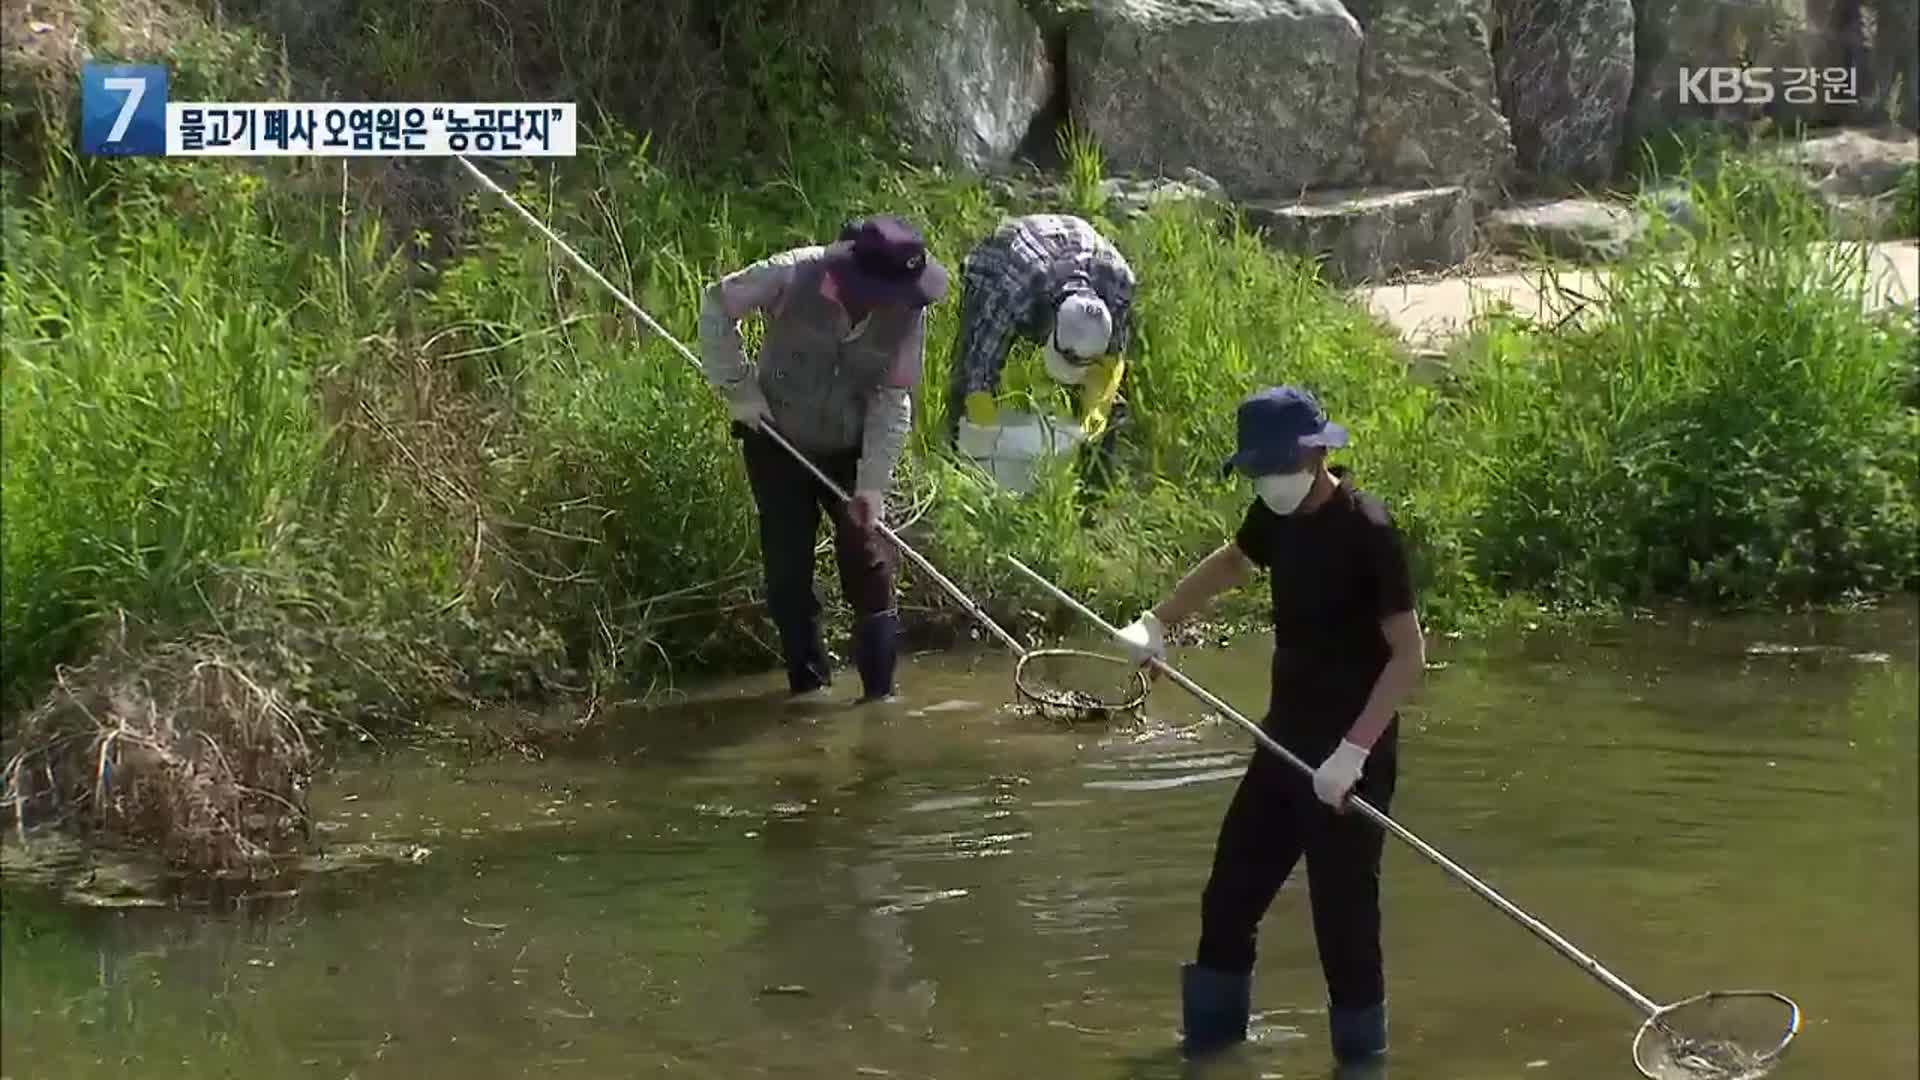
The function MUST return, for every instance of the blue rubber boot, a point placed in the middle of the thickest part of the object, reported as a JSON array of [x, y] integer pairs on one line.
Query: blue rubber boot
[[1213, 1008], [876, 651], [1359, 1035]]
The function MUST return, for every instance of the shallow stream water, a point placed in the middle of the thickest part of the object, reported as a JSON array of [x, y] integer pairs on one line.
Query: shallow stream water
[[945, 888]]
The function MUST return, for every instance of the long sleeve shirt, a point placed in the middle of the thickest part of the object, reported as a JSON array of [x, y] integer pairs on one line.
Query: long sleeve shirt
[[1016, 279], [829, 384]]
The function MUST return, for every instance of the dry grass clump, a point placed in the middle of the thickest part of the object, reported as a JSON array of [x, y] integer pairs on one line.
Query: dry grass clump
[[170, 747]]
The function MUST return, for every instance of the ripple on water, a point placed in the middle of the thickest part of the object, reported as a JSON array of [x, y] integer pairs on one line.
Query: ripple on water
[[1681, 843], [955, 846], [1190, 768], [951, 802], [1166, 762], [1165, 782]]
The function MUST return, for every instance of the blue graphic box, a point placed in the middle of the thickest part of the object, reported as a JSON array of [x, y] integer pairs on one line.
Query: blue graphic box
[[123, 110]]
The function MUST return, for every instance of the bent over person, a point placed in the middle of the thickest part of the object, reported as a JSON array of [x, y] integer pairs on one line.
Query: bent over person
[[842, 353], [1347, 650], [1054, 280]]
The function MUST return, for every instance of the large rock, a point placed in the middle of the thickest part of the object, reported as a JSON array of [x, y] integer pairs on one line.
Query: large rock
[[1854, 162], [1586, 230], [1371, 235], [1129, 198], [1566, 76], [964, 78], [1894, 60], [1125, 197], [1857, 175], [1262, 95], [1430, 109], [1676, 34], [1879, 40], [1867, 218]]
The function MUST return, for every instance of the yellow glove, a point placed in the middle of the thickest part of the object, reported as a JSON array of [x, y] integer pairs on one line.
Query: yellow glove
[[981, 410], [1094, 424], [1097, 394]]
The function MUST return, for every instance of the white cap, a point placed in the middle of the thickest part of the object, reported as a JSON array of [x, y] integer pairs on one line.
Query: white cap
[[1083, 326]]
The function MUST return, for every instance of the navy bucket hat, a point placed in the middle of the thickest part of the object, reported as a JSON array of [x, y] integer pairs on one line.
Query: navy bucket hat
[[884, 260], [1275, 425]]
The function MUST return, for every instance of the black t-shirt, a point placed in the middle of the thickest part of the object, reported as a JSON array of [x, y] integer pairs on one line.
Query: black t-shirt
[[1335, 573]]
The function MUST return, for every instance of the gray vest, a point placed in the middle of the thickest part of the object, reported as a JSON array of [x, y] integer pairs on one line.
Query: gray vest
[[816, 384]]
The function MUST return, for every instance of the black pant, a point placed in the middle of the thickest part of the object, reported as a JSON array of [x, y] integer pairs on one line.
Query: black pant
[[1273, 820], [789, 500]]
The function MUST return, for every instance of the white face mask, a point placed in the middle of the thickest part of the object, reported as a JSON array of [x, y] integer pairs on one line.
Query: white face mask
[[1283, 492], [1061, 370]]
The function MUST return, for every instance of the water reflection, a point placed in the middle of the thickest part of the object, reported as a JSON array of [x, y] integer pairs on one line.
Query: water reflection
[[730, 890], [834, 903]]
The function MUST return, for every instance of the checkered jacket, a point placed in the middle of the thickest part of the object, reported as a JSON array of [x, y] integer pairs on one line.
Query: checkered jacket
[[1015, 280]]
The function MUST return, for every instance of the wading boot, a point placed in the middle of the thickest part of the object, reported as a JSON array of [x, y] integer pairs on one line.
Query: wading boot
[[808, 671], [1213, 1009], [876, 651], [1359, 1035]]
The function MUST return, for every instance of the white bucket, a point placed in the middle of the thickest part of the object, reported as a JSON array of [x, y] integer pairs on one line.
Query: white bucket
[[1011, 450]]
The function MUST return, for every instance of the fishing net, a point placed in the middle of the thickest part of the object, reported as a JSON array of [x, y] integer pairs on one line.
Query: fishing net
[[1071, 684], [1724, 1035]]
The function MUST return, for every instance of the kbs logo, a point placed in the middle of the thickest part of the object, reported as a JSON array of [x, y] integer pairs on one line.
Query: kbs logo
[[1726, 86], [1762, 85]]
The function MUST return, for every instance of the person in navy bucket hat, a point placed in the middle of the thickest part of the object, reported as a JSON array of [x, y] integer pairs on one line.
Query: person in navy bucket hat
[[1348, 649], [1275, 426]]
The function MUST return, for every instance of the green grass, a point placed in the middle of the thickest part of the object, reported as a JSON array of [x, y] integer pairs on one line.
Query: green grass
[[1907, 202], [226, 404], [1728, 429]]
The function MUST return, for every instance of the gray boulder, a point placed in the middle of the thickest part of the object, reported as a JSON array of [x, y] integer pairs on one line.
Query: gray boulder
[[1676, 207], [1880, 41], [1853, 162], [1586, 230], [1125, 197], [1676, 34], [1430, 109], [1129, 198], [1263, 95], [1566, 77], [963, 78], [1857, 176], [1866, 217], [1896, 60], [1371, 235]]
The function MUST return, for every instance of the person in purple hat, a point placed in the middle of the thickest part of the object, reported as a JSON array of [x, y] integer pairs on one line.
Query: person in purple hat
[[1348, 649], [845, 340]]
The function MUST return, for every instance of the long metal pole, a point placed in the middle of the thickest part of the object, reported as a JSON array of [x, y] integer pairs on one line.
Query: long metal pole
[[1540, 929], [965, 601]]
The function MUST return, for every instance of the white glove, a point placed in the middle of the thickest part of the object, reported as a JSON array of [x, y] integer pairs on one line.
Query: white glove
[[1145, 638], [1336, 776], [748, 406]]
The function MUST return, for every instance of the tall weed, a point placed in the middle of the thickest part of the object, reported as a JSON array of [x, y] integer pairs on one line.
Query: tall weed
[[1724, 427], [158, 419], [227, 401]]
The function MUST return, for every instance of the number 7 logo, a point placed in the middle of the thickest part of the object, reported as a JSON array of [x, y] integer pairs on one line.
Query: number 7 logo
[[135, 90], [123, 109]]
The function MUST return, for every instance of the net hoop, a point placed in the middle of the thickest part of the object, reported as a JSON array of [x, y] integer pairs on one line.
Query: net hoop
[[1654, 1031], [1067, 704]]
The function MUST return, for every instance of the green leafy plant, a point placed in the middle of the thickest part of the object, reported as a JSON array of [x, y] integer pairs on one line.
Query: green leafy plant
[[228, 405]]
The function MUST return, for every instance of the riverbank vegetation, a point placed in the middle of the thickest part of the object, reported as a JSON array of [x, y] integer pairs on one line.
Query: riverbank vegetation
[[384, 456]]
